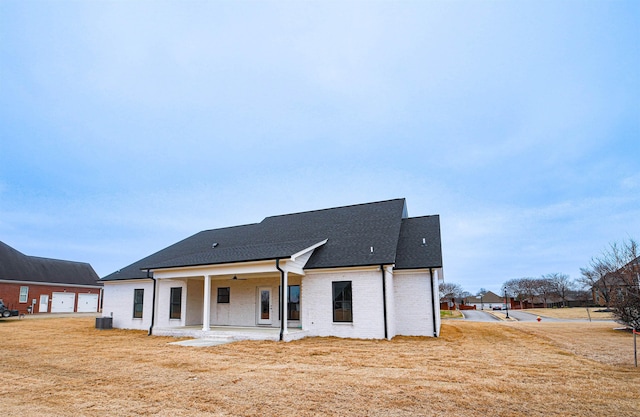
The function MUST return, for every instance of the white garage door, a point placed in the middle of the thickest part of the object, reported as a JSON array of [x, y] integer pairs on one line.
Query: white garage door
[[87, 303], [63, 302]]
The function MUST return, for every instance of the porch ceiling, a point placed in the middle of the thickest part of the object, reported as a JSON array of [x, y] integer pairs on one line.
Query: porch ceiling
[[246, 270]]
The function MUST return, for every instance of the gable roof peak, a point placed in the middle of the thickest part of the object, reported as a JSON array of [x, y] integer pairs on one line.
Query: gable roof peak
[[348, 206]]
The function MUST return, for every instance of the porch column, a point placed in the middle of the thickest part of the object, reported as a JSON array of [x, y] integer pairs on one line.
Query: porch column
[[206, 309], [284, 300]]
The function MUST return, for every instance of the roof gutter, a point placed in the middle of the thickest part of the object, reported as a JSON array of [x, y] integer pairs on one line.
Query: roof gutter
[[153, 304], [282, 292], [384, 301], [433, 304]]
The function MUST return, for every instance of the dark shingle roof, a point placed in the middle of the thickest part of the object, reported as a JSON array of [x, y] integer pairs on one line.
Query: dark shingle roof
[[419, 244], [16, 266], [350, 232], [250, 252]]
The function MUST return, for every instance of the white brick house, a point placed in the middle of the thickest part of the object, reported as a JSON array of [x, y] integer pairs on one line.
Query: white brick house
[[362, 271]]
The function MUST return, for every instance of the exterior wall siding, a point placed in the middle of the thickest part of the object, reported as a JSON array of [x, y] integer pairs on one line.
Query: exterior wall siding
[[118, 300], [413, 309], [242, 310], [408, 294], [195, 302], [10, 295], [163, 298], [317, 304]]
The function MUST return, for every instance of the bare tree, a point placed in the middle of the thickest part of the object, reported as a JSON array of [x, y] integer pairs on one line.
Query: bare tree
[[596, 277], [543, 288], [512, 288], [626, 299], [518, 288], [449, 290], [612, 271], [527, 289], [531, 289], [627, 310], [561, 284]]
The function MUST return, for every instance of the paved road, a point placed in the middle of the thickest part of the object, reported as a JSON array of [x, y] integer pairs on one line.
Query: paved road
[[522, 316], [476, 315], [518, 315]]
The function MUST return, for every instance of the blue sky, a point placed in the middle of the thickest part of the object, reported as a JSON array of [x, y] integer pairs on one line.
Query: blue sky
[[127, 126]]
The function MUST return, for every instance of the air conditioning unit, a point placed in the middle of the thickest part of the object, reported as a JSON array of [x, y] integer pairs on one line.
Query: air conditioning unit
[[104, 323]]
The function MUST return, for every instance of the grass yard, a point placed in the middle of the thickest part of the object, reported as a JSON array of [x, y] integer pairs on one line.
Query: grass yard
[[451, 314], [571, 313], [65, 367]]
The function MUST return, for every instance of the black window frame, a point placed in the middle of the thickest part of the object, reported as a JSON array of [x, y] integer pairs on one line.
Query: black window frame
[[175, 303], [290, 304], [138, 303], [224, 298], [342, 301]]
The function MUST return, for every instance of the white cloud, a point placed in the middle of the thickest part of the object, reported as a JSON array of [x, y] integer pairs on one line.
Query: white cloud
[[631, 183]]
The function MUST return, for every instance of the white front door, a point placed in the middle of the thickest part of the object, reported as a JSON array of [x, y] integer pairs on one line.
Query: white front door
[[264, 305], [44, 303]]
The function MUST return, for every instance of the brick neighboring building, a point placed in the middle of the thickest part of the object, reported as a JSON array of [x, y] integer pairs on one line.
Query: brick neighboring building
[[32, 284], [618, 284]]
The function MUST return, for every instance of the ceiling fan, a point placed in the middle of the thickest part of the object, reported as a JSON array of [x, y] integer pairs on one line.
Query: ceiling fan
[[235, 278]]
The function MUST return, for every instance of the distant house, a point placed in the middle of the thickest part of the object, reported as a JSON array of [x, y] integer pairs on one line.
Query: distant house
[[361, 271], [41, 285], [487, 302], [617, 284]]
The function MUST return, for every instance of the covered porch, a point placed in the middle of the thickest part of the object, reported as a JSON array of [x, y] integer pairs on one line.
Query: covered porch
[[244, 301]]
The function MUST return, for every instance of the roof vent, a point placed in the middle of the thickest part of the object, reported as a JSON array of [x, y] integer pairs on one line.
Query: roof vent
[[424, 242], [371, 253], [214, 245]]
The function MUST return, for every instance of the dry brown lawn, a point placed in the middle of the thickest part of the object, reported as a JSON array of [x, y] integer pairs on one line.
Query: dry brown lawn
[[65, 367], [571, 313]]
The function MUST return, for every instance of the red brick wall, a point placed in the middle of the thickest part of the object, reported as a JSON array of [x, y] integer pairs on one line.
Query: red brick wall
[[10, 295]]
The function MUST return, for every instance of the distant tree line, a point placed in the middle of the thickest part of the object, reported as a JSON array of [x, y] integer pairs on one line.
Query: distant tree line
[[545, 288], [613, 276]]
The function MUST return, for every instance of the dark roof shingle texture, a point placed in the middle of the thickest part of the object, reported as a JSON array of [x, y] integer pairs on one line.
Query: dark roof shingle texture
[[419, 244], [350, 231], [16, 266]]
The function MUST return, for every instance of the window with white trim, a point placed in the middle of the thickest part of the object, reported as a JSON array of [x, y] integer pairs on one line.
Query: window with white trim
[[24, 294]]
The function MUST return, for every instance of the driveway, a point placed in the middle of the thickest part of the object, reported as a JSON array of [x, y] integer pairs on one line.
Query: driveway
[[475, 315]]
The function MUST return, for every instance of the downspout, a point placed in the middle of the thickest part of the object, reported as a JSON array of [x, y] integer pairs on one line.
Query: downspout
[[282, 290], [153, 304], [433, 304], [384, 301]]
